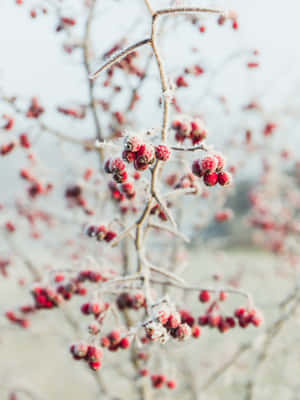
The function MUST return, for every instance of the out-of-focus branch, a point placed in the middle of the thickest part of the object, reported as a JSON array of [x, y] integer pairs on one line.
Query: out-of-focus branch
[[91, 85]]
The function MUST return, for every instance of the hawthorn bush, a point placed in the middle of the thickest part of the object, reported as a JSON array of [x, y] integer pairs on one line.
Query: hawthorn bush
[[120, 207]]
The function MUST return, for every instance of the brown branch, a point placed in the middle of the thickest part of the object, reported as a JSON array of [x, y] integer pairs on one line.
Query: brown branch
[[184, 10], [118, 57]]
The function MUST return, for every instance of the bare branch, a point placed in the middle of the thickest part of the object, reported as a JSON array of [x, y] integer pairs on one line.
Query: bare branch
[[119, 57]]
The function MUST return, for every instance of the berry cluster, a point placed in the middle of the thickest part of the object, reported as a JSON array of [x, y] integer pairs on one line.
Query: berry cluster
[[160, 213], [12, 317], [131, 301], [74, 196], [160, 380], [100, 233], [214, 319], [211, 169], [114, 341], [91, 354], [94, 308], [186, 129]]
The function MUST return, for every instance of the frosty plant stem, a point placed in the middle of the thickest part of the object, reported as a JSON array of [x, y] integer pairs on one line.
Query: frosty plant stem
[[165, 120]]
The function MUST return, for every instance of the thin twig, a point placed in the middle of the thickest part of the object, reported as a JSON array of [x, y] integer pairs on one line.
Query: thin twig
[[118, 57]]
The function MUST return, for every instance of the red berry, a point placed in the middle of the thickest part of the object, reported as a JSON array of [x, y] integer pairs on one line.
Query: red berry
[[223, 296], [196, 331], [224, 178], [162, 152], [95, 365], [110, 235], [124, 343], [132, 144], [172, 384], [204, 296], [128, 156], [210, 179], [181, 82], [144, 372], [209, 163]]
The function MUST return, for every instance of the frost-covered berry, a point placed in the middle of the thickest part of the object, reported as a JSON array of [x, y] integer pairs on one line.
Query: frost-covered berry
[[182, 332], [224, 178], [162, 152], [174, 320], [146, 153], [132, 143], [209, 163], [79, 350], [210, 179], [220, 161], [120, 176], [94, 353], [128, 156]]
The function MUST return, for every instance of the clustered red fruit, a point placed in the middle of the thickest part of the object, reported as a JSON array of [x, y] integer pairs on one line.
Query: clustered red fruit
[[91, 354], [246, 317], [46, 298], [157, 210], [116, 167], [35, 109], [142, 155], [160, 380], [114, 341], [214, 319], [193, 130], [95, 308], [74, 196], [178, 325], [51, 297], [100, 233], [12, 317], [210, 168], [129, 301], [187, 181]]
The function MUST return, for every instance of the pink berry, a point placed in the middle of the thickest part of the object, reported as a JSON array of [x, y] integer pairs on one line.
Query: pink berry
[[132, 144], [220, 161], [162, 152], [223, 296], [128, 156], [172, 384], [196, 331], [209, 163]]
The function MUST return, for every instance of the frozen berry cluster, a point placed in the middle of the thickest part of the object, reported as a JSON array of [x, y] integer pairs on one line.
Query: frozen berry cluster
[[211, 169], [101, 233], [194, 130]]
